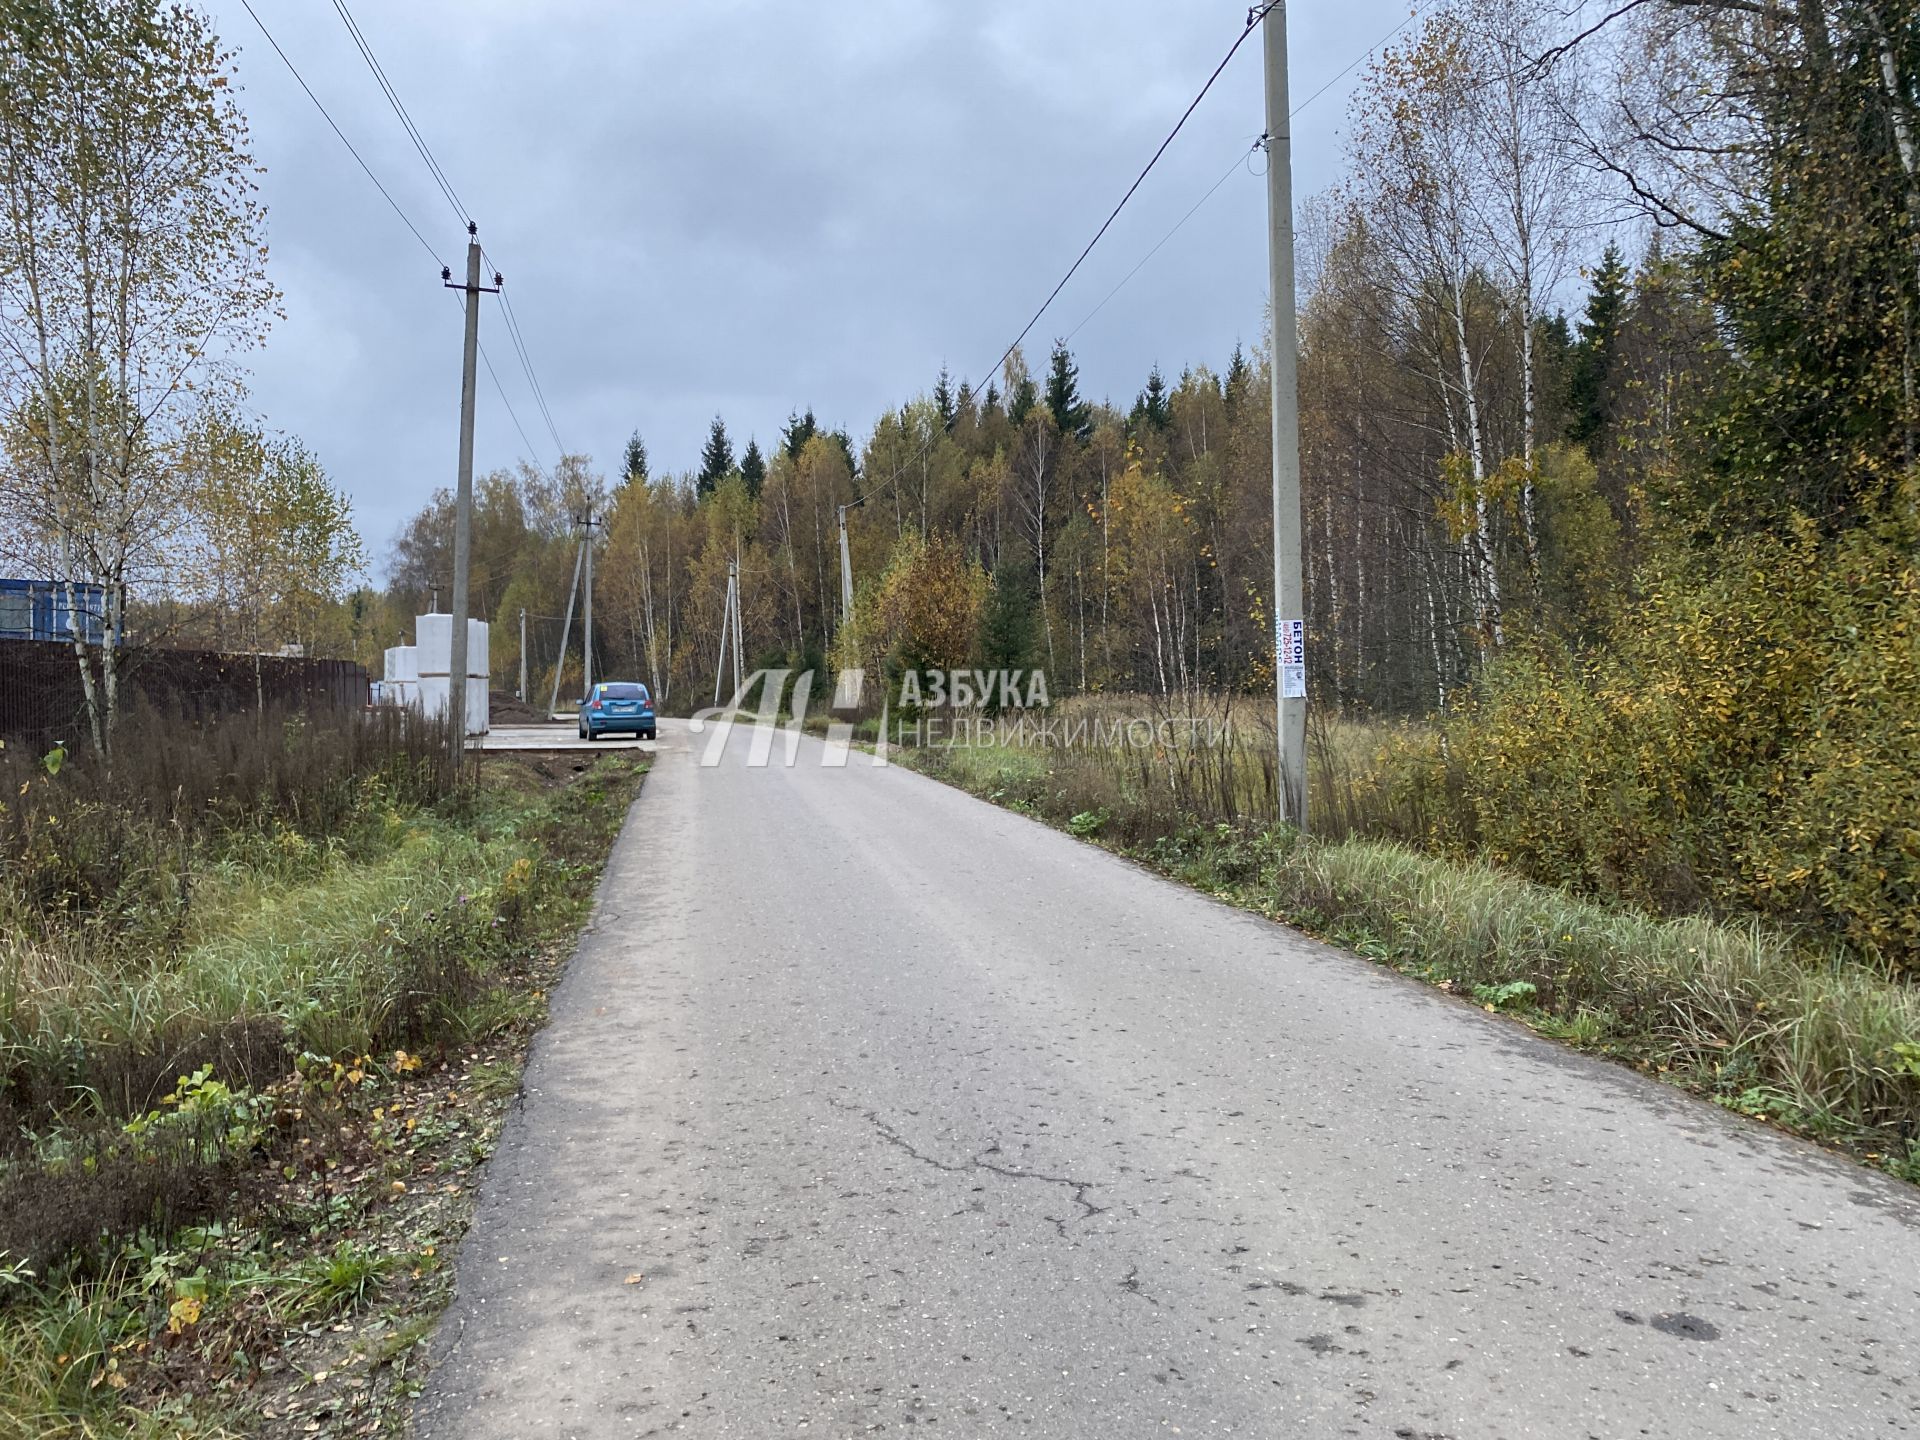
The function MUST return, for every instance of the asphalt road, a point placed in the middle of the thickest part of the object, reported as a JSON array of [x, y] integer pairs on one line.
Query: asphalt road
[[868, 1106]]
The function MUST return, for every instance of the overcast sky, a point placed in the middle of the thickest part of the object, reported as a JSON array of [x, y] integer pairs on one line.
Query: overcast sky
[[747, 208]]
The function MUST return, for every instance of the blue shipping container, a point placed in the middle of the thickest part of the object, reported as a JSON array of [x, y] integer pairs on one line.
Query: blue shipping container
[[37, 610]]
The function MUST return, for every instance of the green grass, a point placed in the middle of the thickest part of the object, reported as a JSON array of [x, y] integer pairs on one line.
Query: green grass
[[323, 1285], [55, 1352], [270, 966], [312, 951], [1725, 1006]]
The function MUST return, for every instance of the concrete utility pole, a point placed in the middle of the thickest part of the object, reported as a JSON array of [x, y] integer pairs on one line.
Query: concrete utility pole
[[586, 539], [737, 656], [846, 566], [521, 693], [726, 634], [729, 630], [463, 500], [1289, 588], [566, 629]]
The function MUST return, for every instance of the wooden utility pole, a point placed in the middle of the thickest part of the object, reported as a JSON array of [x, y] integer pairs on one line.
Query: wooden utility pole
[[1289, 587], [521, 693], [463, 498]]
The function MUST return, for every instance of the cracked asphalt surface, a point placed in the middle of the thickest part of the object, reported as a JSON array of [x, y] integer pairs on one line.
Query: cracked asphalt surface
[[866, 1105]]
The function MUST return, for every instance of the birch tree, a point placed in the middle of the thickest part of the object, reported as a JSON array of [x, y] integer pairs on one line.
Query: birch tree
[[274, 542], [132, 276], [1420, 190], [1535, 191]]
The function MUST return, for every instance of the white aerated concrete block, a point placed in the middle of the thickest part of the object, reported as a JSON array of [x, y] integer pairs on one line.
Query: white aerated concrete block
[[433, 635]]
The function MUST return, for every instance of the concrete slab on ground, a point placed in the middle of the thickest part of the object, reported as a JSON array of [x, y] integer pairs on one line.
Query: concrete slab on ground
[[552, 737]]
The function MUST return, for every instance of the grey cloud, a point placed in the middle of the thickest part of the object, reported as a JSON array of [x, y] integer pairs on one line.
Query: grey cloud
[[746, 208]]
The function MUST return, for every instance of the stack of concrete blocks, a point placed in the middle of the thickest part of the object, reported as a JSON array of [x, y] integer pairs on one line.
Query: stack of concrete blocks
[[433, 640], [400, 684]]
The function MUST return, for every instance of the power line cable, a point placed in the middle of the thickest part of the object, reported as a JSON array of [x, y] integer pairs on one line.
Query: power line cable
[[1238, 161], [434, 168], [1180, 224], [518, 336], [341, 135], [399, 108], [1363, 57], [386, 195], [487, 359], [1254, 17], [1253, 21]]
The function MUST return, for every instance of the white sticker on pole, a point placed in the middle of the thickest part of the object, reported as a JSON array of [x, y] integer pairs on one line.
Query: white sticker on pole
[[1293, 659]]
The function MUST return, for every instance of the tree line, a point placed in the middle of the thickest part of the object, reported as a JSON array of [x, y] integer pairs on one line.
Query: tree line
[[1608, 426], [1587, 302], [1607, 410]]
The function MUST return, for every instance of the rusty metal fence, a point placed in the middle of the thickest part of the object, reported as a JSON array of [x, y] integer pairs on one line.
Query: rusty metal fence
[[42, 700]]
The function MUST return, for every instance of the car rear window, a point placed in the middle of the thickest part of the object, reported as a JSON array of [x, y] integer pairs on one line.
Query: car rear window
[[623, 692]]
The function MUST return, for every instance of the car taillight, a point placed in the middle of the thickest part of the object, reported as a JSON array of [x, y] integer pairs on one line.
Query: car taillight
[[594, 706]]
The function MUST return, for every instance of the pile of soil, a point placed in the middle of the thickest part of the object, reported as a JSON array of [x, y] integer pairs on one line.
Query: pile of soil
[[506, 710]]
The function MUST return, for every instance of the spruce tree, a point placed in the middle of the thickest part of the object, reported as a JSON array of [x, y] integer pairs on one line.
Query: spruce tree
[[716, 459], [845, 442], [1025, 396], [753, 468], [1070, 412], [1006, 624], [1593, 351], [794, 438], [943, 399], [1152, 407], [635, 468], [1239, 376]]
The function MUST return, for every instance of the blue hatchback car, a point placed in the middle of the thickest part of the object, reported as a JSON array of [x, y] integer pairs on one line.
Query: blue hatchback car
[[620, 708]]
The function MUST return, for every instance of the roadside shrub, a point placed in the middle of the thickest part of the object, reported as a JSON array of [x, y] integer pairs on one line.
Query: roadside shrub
[[1751, 743], [101, 1185], [351, 917]]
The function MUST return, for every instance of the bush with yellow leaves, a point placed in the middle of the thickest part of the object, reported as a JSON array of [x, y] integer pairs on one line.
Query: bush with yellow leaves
[[1749, 741]]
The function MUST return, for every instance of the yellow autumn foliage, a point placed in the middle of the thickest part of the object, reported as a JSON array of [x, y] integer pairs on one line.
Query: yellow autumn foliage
[[1748, 740], [922, 613]]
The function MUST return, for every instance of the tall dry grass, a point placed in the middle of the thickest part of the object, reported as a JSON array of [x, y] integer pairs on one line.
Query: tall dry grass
[[213, 893], [1151, 763]]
